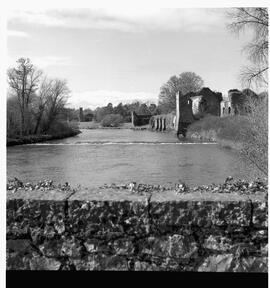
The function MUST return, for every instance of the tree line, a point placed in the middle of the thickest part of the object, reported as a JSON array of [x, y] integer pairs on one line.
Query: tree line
[[35, 103], [122, 110]]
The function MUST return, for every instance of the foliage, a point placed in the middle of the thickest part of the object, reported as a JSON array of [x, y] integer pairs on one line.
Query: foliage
[[240, 100], [225, 127], [250, 130], [125, 110], [112, 120], [189, 82], [35, 104], [23, 82], [185, 83]]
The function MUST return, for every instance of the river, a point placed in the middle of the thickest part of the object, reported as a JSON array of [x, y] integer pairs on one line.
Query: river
[[100, 156]]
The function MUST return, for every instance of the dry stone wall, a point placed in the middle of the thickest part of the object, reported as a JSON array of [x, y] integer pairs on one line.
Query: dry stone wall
[[117, 230]]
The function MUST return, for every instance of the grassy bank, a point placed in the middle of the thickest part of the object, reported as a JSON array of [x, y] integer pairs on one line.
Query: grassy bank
[[246, 133], [226, 131], [64, 132]]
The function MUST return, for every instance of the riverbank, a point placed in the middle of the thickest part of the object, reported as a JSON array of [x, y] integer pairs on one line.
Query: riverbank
[[30, 139], [230, 185], [226, 131]]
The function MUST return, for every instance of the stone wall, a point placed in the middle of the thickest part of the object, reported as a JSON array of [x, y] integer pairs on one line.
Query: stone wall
[[207, 102], [162, 122], [117, 230]]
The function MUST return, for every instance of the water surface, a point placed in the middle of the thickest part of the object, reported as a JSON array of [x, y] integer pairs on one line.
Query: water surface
[[96, 157]]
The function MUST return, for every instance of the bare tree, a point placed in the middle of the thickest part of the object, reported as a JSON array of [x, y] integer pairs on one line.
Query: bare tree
[[56, 100], [167, 94], [23, 82], [185, 83], [41, 100], [255, 19], [255, 135], [189, 82]]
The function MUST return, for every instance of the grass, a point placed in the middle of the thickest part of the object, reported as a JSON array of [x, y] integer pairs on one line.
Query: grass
[[227, 131], [59, 130]]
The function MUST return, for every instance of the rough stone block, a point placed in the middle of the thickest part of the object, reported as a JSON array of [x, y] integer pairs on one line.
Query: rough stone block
[[174, 246], [217, 263], [252, 264], [100, 218], [260, 214], [217, 242], [43, 263]]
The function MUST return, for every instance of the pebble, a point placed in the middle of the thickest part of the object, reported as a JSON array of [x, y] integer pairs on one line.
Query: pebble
[[229, 186]]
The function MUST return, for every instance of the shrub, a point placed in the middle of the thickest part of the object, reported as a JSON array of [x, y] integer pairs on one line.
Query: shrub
[[112, 120], [250, 132], [59, 128], [225, 128], [255, 135]]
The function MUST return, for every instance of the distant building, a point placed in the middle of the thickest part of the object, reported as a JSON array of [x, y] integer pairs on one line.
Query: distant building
[[139, 120], [88, 117]]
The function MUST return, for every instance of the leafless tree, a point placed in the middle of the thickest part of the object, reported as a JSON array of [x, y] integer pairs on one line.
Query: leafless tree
[[41, 100], [255, 134], [56, 100], [185, 83], [189, 82], [167, 94], [23, 81], [255, 19]]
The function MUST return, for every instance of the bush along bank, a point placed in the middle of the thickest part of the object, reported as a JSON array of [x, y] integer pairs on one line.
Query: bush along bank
[[120, 227], [226, 131], [30, 139]]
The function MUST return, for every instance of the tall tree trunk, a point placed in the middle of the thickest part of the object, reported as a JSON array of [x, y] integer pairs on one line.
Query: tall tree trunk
[[22, 124], [38, 122]]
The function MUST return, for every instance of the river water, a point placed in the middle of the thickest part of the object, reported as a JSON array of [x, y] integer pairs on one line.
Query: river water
[[100, 156]]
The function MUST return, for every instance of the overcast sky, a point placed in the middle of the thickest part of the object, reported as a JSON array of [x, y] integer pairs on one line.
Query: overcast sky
[[123, 55]]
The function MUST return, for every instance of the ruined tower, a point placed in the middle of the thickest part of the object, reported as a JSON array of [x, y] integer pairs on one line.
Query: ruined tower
[[81, 118]]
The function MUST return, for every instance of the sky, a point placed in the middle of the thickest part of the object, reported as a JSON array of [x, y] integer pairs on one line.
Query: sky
[[122, 55]]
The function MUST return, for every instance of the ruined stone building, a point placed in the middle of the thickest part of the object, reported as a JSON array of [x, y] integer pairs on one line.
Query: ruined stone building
[[139, 120], [236, 102], [226, 108], [81, 116], [163, 122], [189, 108], [193, 106]]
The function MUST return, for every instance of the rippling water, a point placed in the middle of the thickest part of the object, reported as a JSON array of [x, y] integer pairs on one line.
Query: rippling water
[[96, 157]]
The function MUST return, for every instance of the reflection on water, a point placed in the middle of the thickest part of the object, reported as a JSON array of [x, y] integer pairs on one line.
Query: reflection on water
[[96, 157]]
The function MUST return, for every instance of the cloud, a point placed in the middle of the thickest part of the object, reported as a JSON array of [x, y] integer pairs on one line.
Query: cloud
[[128, 20], [41, 62], [14, 33], [93, 99]]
